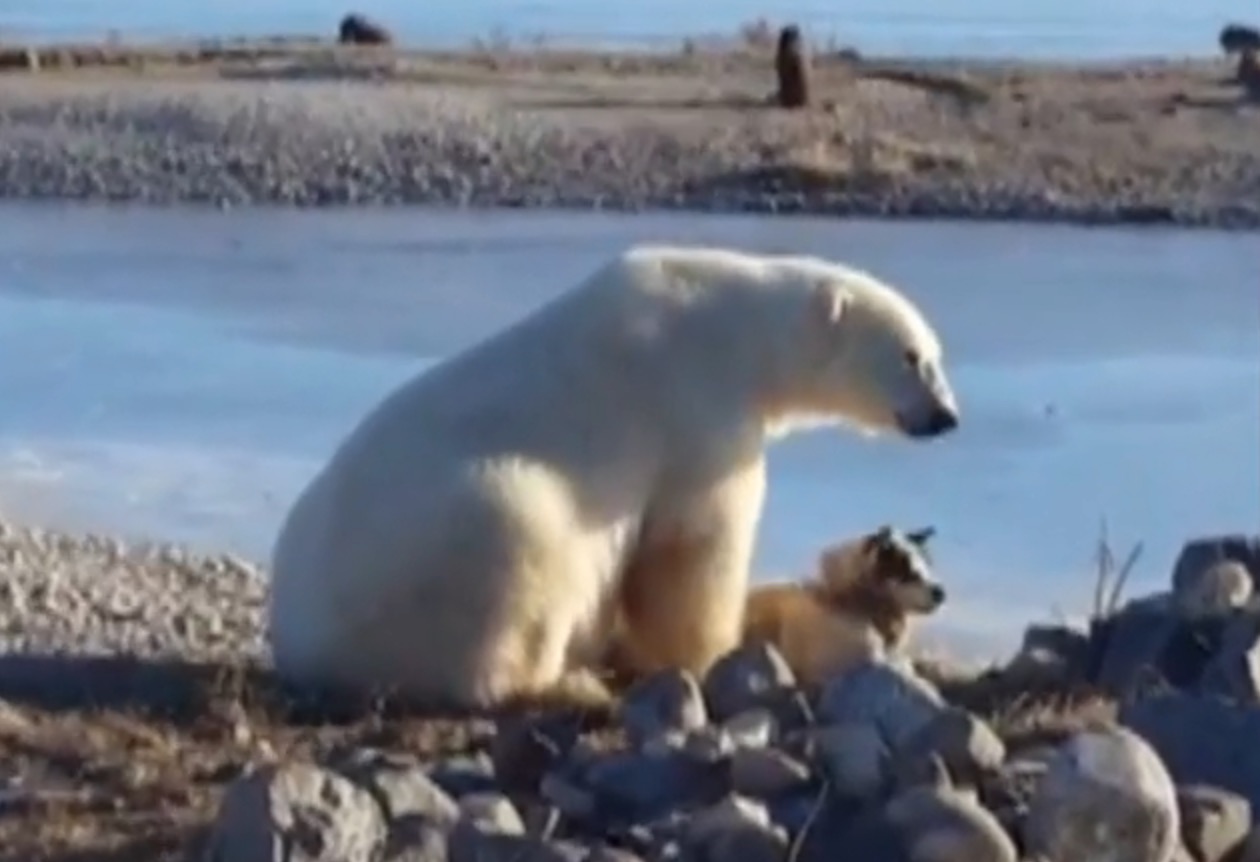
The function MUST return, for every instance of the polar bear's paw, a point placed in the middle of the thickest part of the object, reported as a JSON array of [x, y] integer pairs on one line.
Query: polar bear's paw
[[579, 689]]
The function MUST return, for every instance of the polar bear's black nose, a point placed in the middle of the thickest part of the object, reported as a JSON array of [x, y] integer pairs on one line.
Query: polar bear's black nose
[[940, 421], [943, 421]]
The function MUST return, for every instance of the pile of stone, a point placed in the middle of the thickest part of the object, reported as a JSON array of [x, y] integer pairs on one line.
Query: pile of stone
[[745, 765]]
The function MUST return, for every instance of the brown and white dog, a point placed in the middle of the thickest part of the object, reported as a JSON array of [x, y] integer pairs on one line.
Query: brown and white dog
[[859, 604]]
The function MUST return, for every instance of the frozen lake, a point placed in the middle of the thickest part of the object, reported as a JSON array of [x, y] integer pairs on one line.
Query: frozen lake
[[179, 374]]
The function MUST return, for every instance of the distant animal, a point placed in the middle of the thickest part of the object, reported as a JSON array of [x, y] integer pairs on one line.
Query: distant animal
[[791, 65], [1236, 38], [858, 605], [358, 29]]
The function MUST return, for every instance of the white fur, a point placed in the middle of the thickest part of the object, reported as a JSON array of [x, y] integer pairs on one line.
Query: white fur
[[476, 535]]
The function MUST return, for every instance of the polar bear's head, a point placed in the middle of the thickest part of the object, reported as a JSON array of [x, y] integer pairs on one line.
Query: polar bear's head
[[873, 361]]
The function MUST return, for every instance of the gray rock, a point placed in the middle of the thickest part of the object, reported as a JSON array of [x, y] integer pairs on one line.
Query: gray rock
[[763, 773], [1198, 554], [471, 845], [752, 728], [1214, 590], [735, 830], [942, 825], [1250, 851], [1106, 795], [666, 702], [891, 697], [1214, 822], [1060, 652], [1234, 669], [573, 801], [746, 678], [400, 785], [459, 776], [966, 745], [1148, 645], [1202, 740], [297, 812], [491, 812], [524, 749], [854, 757], [637, 786]]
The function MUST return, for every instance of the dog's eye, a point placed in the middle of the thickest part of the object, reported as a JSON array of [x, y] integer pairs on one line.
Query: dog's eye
[[912, 358]]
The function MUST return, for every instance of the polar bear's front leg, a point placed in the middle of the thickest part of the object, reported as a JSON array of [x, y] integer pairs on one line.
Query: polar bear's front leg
[[682, 596]]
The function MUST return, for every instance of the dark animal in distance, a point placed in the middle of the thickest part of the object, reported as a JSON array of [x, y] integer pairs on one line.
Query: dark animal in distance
[[1236, 38], [791, 65], [357, 29]]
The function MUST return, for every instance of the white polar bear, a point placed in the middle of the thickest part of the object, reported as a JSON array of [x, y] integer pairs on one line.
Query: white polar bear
[[598, 465]]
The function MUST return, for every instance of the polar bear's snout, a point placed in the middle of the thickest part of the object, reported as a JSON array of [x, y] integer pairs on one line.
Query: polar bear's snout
[[934, 409]]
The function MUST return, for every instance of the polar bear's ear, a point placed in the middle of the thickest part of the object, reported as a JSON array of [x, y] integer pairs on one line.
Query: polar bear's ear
[[829, 302]]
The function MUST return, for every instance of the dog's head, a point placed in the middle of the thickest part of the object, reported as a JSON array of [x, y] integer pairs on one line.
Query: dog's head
[[891, 563]]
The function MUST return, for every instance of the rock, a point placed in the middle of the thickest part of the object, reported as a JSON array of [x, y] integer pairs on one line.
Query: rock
[[748, 677], [1214, 590], [1105, 795], [1234, 669], [792, 69], [753, 728], [1148, 644], [297, 811], [1250, 851], [573, 801], [637, 786], [966, 745], [475, 846], [491, 812], [854, 757], [666, 702], [941, 825], [1202, 740], [735, 830], [1198, 554], [1214, 822], [891, 697], [1061, 649], [400, 786], [356, 29], [1009, 791], [524, 750], [763, 773], [459, 776]]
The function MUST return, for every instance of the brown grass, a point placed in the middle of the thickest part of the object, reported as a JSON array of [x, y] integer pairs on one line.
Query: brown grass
[[120, 759]]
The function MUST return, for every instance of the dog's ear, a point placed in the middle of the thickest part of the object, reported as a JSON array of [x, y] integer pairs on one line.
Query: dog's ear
[[921, 537], [881, 538]]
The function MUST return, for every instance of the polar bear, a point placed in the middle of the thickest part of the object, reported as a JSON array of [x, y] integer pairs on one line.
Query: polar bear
[[596, 467]]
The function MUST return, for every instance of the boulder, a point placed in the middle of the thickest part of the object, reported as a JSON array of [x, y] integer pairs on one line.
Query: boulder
[[749, 677], [297, 811], [889, 696], [664, 703], [1214, 822], [1105, 795], [1203, 740]]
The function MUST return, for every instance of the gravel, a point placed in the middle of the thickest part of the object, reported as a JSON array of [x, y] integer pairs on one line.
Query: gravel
[[93, 595], [881, 153]]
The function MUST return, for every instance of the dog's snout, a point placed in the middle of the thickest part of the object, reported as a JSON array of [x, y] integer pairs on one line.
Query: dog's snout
[[938, 594]]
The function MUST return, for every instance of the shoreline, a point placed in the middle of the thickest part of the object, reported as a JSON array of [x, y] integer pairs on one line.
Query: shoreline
[[137, 708], [1161, 142]]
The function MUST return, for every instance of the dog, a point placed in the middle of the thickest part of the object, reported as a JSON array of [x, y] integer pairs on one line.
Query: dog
[[859, 604]]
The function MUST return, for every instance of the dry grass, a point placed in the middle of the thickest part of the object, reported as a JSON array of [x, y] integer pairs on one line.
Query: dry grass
[[118, 759]]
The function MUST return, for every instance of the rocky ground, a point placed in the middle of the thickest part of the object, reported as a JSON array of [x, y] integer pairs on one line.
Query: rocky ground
[[138, 721], [308, 124]]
